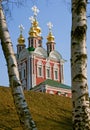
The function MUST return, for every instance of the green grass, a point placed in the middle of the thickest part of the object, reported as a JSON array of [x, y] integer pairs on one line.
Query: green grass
[[50, 112]]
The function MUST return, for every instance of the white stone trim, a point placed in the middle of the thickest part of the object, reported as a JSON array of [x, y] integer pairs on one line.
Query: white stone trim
[[56, 69], [49, 68], [39, 65]]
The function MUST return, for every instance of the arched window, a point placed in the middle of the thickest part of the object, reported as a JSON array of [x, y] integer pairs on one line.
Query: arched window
[[31, 43], [24, 71], [48, 71], [39, 69], [56, 73]]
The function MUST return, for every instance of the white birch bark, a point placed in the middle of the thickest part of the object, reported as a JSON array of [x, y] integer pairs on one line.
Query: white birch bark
[[80, 98], [23, 111]]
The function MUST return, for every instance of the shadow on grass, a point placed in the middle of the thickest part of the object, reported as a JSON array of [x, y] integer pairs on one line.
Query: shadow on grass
[[47, 123]]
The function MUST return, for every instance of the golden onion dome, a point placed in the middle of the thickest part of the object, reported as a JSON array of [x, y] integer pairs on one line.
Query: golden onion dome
[[35, 23], [32, 32], [37, 28], [50, 37], [21, 39]]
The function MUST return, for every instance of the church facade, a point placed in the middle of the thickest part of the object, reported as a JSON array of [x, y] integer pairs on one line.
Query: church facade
[[38, 67]]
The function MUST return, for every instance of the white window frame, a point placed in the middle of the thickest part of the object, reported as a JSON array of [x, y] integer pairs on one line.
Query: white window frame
[[48, 72], [48, 68], [39, 65], [56, 74], [56, 69]]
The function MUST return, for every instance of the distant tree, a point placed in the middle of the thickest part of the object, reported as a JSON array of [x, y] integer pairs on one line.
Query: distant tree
[[80, 97], [23, 112]]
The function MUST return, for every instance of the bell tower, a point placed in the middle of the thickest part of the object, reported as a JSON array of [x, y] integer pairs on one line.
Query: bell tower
[[50, 39], [20, 40]]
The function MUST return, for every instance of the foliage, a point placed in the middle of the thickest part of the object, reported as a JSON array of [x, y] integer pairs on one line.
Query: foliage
[[9, 4]]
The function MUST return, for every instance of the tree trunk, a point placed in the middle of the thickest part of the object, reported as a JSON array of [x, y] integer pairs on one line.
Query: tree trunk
[[23, 112], [80, 97]]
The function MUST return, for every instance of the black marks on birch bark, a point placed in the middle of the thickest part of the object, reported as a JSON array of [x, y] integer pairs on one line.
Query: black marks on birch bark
[[80, 57], [79, 77], [79, 32], [80, 6]]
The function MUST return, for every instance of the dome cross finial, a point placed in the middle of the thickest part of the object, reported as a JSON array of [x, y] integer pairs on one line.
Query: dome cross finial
[[35, 30], [21, 39], [21, 27], [31, 19], [50, 36], [35, 10], [50, 25]]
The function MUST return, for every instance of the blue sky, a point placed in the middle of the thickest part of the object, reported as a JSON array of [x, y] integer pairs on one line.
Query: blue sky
[[50, 11]]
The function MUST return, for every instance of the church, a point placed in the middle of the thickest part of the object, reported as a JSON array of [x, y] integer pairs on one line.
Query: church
[[40, 69]]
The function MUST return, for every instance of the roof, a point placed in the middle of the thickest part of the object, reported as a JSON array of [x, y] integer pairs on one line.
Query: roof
[[31, 49], [41, 51], [55, 54], [23, 54], [54, 83]]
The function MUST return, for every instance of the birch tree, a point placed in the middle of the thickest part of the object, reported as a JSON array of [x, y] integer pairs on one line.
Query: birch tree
[[23, 111], [80, 97]]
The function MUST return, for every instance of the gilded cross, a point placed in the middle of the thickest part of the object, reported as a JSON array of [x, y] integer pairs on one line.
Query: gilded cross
[[31, 19], [35, 10], [50, 25], [21, 28]]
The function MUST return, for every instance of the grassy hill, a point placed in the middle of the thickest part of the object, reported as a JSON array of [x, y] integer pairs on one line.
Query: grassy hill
[[50, 112]]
